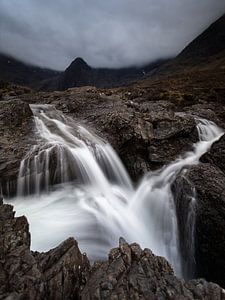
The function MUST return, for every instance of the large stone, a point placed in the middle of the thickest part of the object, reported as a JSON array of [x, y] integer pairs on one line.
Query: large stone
[[148, 136], [16, 137], [216, 155], [57, 274], [208, 182]]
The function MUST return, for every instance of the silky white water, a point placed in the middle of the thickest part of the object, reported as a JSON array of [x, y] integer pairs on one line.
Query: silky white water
[[74, 184]]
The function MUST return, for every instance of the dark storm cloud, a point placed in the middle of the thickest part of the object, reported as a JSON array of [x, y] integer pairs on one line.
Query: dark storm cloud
[[110, 33]]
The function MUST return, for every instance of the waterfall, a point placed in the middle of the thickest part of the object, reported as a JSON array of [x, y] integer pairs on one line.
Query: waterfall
[[73, 184], [68, 152]]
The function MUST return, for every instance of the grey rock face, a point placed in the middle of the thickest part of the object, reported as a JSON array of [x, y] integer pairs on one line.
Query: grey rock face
[[209, 182], [26, 275], [16, 136], [133, 273], [64, 273], [216, 155], [147, 135]]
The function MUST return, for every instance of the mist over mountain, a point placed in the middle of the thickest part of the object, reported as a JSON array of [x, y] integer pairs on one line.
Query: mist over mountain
[[207, 48], [109, 34], [78, 73]]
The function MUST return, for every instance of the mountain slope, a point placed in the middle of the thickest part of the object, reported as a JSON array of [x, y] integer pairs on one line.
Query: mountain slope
[[79, 73], [206, 51], [15, 71], [207, 48]]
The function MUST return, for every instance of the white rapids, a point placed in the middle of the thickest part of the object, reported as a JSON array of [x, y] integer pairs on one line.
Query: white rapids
[[74, 184]]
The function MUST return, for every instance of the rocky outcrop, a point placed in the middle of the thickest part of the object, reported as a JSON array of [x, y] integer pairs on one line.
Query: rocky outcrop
[[148, 135], [216, 155], [16, 138], [208, 182], [26, 275], [64, 270], [64, 273], [133, 273], [184, 194]]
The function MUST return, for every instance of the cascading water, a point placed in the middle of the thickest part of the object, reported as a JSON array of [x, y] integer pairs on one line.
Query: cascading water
[[80, 188]]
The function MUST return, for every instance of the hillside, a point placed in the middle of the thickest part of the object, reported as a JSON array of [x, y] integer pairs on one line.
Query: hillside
[[79, 73], [207, 49], [17, 72]]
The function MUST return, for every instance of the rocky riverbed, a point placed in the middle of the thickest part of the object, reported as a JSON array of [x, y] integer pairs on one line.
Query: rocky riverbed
[[65, 273], [149, 127]]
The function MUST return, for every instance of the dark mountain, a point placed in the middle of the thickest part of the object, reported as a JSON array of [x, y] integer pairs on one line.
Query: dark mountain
[[207, 48], [79, 73], [206, 51], [15, 71]]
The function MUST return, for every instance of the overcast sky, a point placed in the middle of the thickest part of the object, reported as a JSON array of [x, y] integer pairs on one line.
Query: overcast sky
[[106, 33]]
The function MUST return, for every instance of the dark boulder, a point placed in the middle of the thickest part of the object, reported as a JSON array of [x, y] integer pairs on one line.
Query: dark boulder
[[185, 201], [216, 155], [148, 141], [16, 136], [146, 134], [19, 274], [26, 275], [208, 182]]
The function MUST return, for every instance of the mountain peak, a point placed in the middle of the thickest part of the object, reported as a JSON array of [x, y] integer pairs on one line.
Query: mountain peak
[[79, 62]]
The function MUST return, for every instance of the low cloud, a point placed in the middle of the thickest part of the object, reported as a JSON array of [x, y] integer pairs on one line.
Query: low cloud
[[112, 33]]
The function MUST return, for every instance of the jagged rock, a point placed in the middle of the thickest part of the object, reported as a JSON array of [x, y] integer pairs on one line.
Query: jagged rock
[[64, 273], [19, 274], [57, 274], [63, 270], [133, 273]]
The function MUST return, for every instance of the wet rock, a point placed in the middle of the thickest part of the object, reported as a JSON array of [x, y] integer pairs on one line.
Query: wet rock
[[20, 276], [16, 136], [147, 141], [63, 270], [146, 134], [210, 111], [26, 275], [184, 194], [209, 183], [172, 137], [216, 155], [143, 276], [64, 273]]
